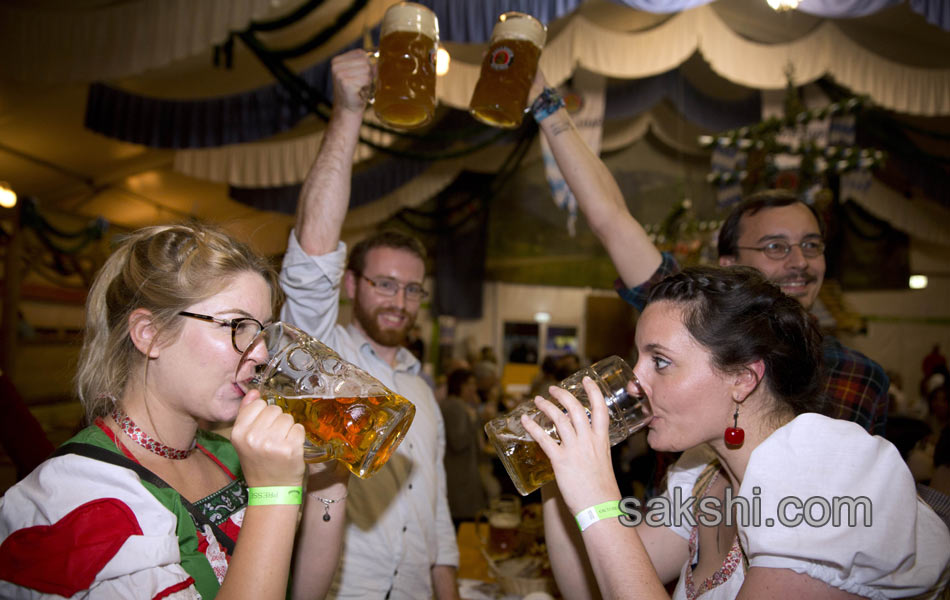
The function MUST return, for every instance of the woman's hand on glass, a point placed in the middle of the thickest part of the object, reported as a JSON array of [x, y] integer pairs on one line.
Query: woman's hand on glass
[[268, 442], [581, 460]]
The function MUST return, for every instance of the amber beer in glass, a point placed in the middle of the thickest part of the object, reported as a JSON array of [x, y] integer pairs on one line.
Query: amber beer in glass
[[501, 94], [348, 415], [525, 461], [405, 74], [504, 526]]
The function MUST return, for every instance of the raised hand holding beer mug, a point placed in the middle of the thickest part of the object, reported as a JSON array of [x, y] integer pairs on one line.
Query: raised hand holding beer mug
[[527, 465], [348, 415], [404, 91], [508, 69]]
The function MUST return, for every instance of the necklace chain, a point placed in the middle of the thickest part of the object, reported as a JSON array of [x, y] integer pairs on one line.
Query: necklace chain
[[135, 433]]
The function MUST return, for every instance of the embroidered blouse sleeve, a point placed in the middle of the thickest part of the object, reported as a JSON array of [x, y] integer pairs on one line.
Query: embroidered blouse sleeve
[[77, 524]]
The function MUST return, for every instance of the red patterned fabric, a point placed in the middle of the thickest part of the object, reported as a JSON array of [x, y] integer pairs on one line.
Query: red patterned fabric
[[175, 588], [65, 557]]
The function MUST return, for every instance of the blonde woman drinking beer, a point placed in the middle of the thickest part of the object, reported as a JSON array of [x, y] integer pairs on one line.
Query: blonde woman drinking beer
[[143, 504]]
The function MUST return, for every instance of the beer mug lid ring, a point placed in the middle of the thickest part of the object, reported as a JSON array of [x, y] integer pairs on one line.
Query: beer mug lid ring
[[536, 32], [409, 16]]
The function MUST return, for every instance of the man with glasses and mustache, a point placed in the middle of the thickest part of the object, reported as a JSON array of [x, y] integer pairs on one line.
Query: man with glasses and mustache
[[772, 231], [399, 541]]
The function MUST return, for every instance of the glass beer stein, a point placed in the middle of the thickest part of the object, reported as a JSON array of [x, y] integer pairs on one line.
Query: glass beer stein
[[525, 461], [405, 73], [501, 94], [504, 523], [348, 415]]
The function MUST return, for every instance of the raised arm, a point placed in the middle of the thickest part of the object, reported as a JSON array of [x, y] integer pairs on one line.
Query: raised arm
[[598, 196], [326, 192]]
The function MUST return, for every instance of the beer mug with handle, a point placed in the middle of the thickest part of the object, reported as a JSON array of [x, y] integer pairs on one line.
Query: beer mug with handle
[[348, 414], [404, 90], [504, 522], [525, 461], [508, 69]]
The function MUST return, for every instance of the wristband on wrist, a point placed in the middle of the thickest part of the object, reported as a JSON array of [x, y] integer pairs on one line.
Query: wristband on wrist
[[275, 494], [598, 512], [546, 104]]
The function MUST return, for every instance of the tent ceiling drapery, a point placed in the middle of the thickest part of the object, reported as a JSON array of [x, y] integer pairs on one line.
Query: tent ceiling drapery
[[703, 45], [247, 165], [580, 42], [87, 40], [42, 41]]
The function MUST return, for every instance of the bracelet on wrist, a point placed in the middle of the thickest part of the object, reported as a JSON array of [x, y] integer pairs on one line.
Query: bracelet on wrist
[[598, 512], [275, 494], [327, 502], [546, 104]]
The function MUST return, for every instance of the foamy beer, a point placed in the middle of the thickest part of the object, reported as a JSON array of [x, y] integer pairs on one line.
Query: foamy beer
[[405, 74], [348, 414], [507, 70], [526, 463], [504, 526]]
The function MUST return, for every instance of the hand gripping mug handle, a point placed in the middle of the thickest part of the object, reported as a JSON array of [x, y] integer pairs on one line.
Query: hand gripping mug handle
[[368, 92]]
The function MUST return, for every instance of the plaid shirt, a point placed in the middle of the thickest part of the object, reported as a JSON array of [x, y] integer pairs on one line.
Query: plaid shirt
[[855, 385]]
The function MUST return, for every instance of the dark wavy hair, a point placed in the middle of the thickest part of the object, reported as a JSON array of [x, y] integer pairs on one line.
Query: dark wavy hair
[[457, 379], [389, 238], [740, 317], [729, 232]]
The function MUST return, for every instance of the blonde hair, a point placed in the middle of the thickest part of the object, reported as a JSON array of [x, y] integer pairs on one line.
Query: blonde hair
[[163, 269]]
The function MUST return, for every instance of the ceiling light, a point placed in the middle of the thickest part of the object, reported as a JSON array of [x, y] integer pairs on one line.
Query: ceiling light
[[442, 60], [7, 195], [783, 5], [917, 282], [542, 317]]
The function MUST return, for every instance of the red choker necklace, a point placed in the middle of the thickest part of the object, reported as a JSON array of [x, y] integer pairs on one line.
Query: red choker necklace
[[144, 440]]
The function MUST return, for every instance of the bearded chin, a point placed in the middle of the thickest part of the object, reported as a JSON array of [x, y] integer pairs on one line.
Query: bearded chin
[[384, 337]]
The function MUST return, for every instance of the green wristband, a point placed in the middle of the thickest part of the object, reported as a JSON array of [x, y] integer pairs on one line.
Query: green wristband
[[275, 494], [598, 512]]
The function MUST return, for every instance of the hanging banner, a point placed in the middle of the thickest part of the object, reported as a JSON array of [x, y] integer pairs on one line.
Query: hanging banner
[[585, 98]]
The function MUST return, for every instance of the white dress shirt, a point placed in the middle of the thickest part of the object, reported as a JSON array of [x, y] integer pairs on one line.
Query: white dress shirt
[[399, 524]]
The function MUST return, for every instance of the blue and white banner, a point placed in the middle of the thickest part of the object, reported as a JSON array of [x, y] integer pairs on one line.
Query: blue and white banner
[[585, 98]]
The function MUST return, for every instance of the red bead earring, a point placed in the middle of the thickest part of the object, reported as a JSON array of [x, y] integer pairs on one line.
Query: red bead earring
[[735, 435]]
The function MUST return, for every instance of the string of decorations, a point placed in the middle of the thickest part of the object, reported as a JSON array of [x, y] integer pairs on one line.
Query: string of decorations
[[834, 159], [799, 150], [30, 217], [751, 135], [58, 255]]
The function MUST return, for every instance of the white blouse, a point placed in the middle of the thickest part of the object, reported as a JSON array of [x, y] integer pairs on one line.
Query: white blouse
[[830, 501]]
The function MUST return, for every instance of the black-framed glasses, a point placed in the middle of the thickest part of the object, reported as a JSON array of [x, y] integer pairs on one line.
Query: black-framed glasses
[[778, 250], [387, 286], [243, 330]]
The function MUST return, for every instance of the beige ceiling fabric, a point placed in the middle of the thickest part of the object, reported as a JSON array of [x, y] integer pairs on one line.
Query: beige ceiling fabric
[[74, 43], [287, 162], [266, 164], [823, 51], [410, 195], [921, 220]]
